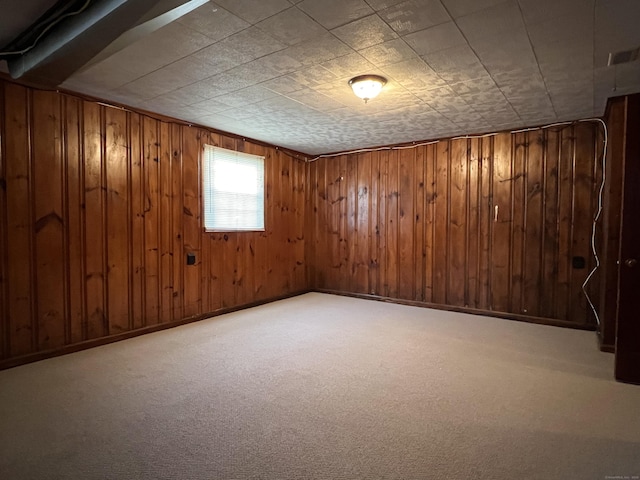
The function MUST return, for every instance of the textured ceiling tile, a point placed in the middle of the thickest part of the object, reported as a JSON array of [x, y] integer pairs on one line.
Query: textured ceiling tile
[[497, 21], [209, 87], [457, 64], [214, 22], [478, 85], [283, 85], [414, 15], [617, 16], [443, 36], [180, 97], [541, 108], [252, 11], [319, 49], [500, 108], [253, 42], [291, 26], [382, 4], [414, 75], [179, 74], [561, 29], [207, 107], [499, 56], [484, 96], [535, 11], [514, 77], [242, 113], [420, 100], [393, 51], [161, 48], [254, 72], [314, 100], [312, 77], [282, 62], [221, 56], [106, 75], [365, 32], [459, 8], [341, 92], [349, 66], [246, 96], [533, 87], [333, 13]]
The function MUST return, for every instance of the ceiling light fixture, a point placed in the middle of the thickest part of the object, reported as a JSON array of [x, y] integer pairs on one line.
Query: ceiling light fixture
[[367, 87]]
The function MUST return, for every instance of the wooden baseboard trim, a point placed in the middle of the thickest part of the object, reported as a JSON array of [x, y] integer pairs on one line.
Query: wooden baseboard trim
[[607, 348], [34, 357], [473, 311], [76, 347]]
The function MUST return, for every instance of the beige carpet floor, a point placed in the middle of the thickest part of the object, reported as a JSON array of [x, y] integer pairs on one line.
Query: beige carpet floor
[[325, 387]]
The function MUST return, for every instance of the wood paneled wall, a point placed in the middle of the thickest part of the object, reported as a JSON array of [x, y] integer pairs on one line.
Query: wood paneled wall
[[616, 118], [99, 207], [487, 223]]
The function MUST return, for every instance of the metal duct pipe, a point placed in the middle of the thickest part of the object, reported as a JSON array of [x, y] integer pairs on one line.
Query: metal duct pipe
[[77, 39]]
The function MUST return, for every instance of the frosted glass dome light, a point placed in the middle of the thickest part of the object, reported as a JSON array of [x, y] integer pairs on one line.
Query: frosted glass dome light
[[367, 87]]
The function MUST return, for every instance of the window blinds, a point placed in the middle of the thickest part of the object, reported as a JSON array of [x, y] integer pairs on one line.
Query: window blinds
[[233, 190]]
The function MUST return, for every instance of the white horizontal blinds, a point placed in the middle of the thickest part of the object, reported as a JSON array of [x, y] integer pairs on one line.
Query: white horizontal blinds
[[233, 190]]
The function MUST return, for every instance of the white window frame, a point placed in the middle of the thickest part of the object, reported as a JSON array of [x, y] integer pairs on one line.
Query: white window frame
[[226, 207]]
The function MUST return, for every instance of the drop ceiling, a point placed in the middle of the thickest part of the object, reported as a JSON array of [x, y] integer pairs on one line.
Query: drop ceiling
[[277, 70]]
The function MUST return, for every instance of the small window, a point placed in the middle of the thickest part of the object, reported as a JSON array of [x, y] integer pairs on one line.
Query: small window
[[233, 190]]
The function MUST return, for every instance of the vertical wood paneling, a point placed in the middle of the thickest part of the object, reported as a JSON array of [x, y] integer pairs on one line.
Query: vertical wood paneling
[[74, 226], [383, 284], [175, 221], [117, 207], [165, 243], [533, 239], [457, 278], [425, 221], [274, 232], [550, 221], [419, 229], [191, 220], [20, 302], [585, 181], [501, 224], [94, 232], [566, 211], [393, 193], [362, 240], [99, 207], [474, 202], [441, 223], [47, 182], [136, 189], [429, 231], [485, 229], [519, 208], [151, 174], [406, 224]]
